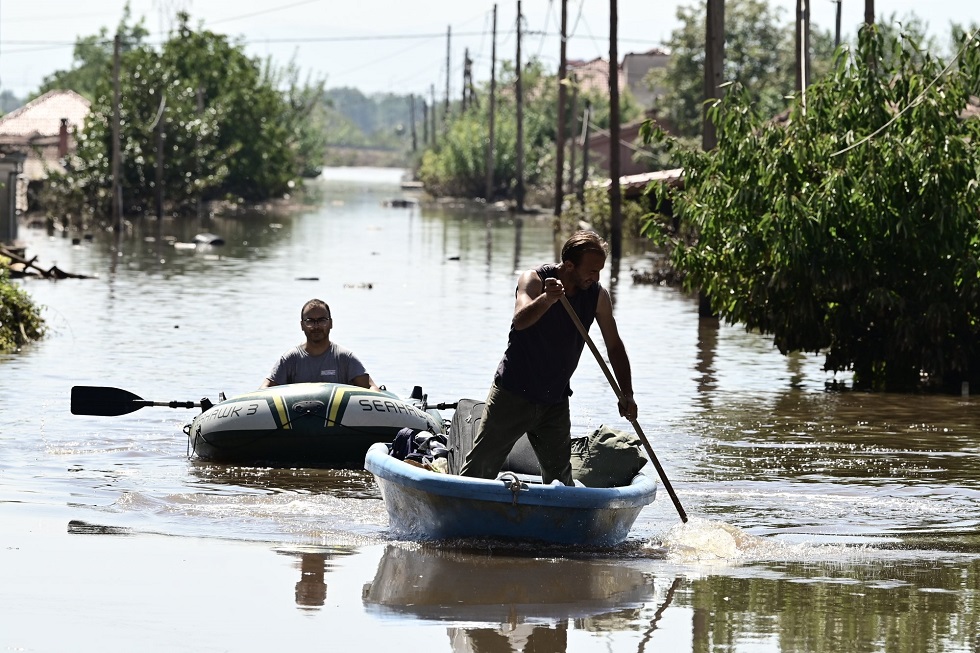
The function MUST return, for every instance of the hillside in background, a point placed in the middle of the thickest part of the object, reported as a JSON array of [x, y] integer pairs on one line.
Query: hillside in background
[[369, 129]]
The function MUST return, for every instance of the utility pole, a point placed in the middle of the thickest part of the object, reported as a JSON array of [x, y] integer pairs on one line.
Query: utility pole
[[615, 192], [415, 144], [425, 123], [586, 117], [837, 30], [116, 140], [467, 81], [573, 112], [445, 114], [714, 63], [519, 90], [560, 143], [161, 138], [869, 12], [802, 45], [493, 107], [432, 93]]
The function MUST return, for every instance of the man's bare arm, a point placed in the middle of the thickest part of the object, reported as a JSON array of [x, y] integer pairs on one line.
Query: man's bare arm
[[618, 358], [534, 298]]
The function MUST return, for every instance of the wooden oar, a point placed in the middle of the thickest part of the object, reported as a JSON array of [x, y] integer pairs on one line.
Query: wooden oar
[[619, 395], [96, 400]]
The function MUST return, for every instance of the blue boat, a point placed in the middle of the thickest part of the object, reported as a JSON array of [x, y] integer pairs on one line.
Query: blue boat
[[430, 505]]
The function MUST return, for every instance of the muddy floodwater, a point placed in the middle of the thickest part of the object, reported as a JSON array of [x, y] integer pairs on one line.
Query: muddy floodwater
[[821, 520]]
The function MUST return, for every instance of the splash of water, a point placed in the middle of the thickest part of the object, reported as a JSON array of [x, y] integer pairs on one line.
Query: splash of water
[[705, 540]]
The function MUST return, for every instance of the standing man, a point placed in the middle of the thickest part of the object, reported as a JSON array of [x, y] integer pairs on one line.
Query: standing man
[[531, 387], [318, 359]]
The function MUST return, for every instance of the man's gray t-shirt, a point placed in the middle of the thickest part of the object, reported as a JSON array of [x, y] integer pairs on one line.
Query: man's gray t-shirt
[[336, 365]]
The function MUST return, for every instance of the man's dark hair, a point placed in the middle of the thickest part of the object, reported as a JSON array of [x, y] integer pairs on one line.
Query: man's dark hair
[[314, 303], [580, 243]]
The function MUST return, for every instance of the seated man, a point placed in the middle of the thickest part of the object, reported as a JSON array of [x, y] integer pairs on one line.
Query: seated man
[[318, 359]]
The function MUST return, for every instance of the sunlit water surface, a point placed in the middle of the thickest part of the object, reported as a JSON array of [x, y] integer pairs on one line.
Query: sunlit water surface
[[820, 520]]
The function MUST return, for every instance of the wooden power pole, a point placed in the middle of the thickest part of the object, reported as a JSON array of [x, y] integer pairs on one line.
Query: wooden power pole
[[802, 45], [615, 192], [445, 113], [116, 139], [837, 26], [519, 91], [560, 141], [415, 142], [586, 117], [714, 64], [492, 109]]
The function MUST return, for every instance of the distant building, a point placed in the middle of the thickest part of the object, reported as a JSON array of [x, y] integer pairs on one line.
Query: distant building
[[631, 159], [636, 66], [593, 76], [42, 130]]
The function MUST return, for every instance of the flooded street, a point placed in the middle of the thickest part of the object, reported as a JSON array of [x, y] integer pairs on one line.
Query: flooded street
[[821, 520]]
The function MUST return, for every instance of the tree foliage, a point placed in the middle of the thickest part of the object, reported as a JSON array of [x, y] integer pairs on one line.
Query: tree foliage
[[760, 54], [851, 229], [456, 166], [379, 120], [20, 317], [232, 128]]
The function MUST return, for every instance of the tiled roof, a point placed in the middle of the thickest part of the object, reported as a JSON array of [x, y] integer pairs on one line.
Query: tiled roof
[[42, 116]]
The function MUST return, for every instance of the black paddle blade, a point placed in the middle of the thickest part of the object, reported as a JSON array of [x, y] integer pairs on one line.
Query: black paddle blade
[[96, 400]]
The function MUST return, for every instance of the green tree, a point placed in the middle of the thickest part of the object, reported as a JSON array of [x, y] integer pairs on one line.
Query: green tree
[[233, 128], [456, 166], [249, 111], [92, 58], [20, 317], [760, 54], [852, 229]]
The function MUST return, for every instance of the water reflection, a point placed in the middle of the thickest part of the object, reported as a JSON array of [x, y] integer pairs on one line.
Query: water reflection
[[705, 364], [519, 602], [340, 483], [311, 588], [839, 608]]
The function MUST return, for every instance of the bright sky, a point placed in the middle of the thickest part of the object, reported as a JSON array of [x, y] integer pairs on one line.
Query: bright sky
[[395, 45]]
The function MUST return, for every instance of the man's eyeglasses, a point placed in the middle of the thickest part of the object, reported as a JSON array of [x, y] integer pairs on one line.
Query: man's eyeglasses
[[317, 321]]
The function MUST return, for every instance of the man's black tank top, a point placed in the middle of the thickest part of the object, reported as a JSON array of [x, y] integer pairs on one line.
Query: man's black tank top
[[539, 361]]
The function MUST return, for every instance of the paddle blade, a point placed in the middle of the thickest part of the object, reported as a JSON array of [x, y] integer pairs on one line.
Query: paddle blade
[[96, 400]]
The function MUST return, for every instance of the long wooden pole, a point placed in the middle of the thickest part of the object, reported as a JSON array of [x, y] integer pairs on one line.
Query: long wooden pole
[[491, 156], [619, 395], [519, 91], [615, 191], [714, 64], [116, 139], [560, 143]]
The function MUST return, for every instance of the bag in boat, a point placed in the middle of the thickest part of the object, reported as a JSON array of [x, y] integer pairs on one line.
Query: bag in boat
[[422, 448], [606, 458], [462, 433]]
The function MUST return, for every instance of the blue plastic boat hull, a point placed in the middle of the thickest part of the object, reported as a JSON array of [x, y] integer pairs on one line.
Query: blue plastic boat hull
[[426, 505]]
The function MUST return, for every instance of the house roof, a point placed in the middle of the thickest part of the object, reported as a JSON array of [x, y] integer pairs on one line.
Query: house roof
[[41, 117]]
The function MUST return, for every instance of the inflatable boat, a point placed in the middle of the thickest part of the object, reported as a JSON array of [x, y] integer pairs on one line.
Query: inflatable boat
[[306, 424], [302, 424]]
